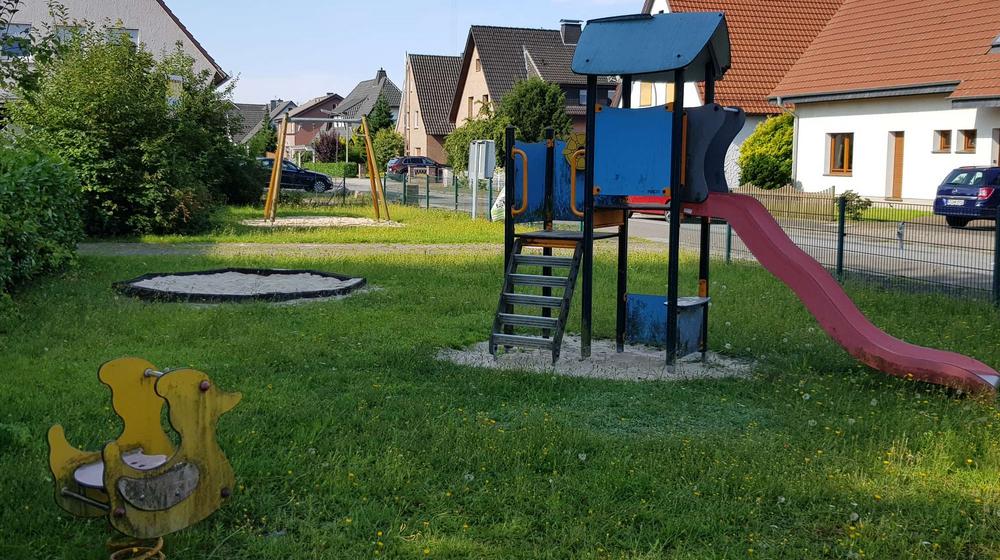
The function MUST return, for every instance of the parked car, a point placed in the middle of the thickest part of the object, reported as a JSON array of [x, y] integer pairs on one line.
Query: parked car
[[401, 166], [294, 177], [969, 193]]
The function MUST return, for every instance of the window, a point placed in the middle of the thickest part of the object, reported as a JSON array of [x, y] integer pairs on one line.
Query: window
[[841, 153], [583, 97], [479, 66], [15, 40], [486, 100], [288, 166], [942, 141], [645, 94], [418, 151], [472, 101], [965, 178], [133, 34], [64, 33], [611, 94], [416, 120], [967, 141]]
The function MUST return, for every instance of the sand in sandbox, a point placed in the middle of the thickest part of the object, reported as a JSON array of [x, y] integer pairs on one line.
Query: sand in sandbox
[[243, 284], [321, 221], [636, 363]]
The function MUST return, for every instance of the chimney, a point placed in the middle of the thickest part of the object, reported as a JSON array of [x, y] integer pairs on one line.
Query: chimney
[[380, 75], [274, 104], [570, 30]]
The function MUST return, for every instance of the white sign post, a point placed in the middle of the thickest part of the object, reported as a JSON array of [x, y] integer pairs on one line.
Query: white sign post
[[482, 162]]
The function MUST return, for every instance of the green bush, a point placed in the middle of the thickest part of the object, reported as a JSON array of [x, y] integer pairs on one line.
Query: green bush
[[534, 105], [766, 155], [39, 215], [338, 170], [489, 127], [150, 158], [855, 205], [386, 145]]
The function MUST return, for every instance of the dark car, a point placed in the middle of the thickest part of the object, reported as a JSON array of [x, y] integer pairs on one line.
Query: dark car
[[294, 177], [969, 193], [401, 166]]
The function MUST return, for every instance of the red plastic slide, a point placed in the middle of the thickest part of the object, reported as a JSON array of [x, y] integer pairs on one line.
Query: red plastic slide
[[836, 313]]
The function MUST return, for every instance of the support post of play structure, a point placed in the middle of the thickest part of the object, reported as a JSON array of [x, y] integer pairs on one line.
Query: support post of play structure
[[841, 235], [547, 210], [677, 196], [508, 196], [705, 249], [274, 187], [621, 303], [587, 299]]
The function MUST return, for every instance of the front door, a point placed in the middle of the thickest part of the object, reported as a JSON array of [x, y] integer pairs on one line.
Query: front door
[[897, 165]]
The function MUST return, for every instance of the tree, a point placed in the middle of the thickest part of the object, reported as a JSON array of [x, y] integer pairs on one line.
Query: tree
[[488, 127], [766, 155], [327, 146], [380, 116], [534, 105], [264, 140], [387, 144]]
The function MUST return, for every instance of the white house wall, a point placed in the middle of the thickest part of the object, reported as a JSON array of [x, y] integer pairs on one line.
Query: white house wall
[[871, 122], [156, 28]]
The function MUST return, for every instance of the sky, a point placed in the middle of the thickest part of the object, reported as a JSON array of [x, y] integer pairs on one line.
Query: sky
[[300, 49]]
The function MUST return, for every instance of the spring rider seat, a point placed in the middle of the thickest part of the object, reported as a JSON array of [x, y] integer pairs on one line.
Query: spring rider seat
[[145, 486]]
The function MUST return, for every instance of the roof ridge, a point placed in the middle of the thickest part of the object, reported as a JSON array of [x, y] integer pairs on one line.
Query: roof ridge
[[514, 28]]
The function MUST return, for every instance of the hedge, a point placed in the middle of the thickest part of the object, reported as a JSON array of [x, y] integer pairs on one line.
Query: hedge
[[40, 211], [338, 170]]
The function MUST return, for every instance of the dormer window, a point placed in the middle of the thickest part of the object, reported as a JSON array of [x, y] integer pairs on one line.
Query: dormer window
[[995, 48]]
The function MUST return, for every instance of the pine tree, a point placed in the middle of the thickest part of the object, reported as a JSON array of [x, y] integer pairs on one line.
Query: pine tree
[[380, 116]]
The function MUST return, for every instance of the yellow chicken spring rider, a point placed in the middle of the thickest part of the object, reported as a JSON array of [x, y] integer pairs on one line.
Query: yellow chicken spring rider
[[145, 486]]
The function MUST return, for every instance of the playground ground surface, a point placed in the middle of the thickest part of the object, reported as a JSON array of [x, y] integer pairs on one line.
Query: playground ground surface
[[354, 441]]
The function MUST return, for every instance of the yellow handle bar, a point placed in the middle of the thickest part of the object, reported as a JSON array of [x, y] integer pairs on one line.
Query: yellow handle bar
[[524, 180]]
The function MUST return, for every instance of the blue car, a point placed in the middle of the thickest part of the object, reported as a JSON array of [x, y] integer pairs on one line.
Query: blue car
[[969, 193]]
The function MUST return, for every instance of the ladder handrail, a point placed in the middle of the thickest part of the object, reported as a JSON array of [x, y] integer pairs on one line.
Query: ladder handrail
[[524, 180], [572, 182]]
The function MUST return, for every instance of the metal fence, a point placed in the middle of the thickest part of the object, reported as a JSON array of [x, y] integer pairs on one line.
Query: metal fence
[[889, 244], [443, 190]]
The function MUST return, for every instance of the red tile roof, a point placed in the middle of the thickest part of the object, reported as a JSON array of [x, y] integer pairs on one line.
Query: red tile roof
[[886, 44], [767, 38]]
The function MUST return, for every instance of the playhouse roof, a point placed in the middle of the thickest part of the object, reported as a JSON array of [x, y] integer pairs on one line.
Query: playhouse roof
[[652, 47]]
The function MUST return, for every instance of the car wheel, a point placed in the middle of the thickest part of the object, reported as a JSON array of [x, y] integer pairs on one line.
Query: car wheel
[[956, 222], [319, 186]]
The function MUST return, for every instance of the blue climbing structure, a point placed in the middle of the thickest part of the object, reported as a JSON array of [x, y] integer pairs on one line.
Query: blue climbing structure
[[667, 151]]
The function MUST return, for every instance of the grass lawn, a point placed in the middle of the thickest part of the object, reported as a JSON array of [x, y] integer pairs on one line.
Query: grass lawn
[[904, 214], [421, 226], [352, 441]]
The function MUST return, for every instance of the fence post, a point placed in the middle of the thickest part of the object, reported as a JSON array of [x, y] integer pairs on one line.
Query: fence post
[[841, 235], [729, 243], [404, 190], [489, 205], [454, 182], [996, 260], [427, 190]]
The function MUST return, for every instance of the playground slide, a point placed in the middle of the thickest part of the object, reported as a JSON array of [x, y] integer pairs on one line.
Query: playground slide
[[836, 313]]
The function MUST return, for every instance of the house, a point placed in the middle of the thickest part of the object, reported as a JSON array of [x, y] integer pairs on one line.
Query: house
[[149, 22], [363, 97], [496, 58], [428, 91], [888, 114], [300, 135], [767, 39], [251, 117]]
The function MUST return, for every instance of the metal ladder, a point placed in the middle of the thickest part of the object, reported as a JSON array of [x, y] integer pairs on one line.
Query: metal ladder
[[552, 328]]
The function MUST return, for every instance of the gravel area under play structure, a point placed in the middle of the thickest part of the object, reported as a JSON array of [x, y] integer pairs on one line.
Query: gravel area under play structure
[[321, 221], [234, 285], [636, 363]]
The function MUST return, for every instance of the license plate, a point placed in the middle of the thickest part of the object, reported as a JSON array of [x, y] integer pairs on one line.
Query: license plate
[[954, 202]]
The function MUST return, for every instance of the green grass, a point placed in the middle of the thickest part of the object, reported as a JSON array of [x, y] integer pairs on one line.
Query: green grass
[[883, 214], [352, 441], [420, 226]]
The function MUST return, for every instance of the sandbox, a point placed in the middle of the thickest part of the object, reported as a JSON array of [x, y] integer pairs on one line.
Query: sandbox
[[239, 285], [321, 221]]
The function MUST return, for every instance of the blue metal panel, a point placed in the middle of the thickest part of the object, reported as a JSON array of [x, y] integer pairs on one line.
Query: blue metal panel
[[633, 151], [652, 47], [536, 182], [646, 321]]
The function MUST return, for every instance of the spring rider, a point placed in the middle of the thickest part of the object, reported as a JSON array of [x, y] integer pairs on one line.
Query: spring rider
[[144, 485]]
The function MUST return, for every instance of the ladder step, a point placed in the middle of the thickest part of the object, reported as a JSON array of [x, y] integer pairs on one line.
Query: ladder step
[[525, 299], [536, 280], [529, 321], [522, 341], [543, 260]]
